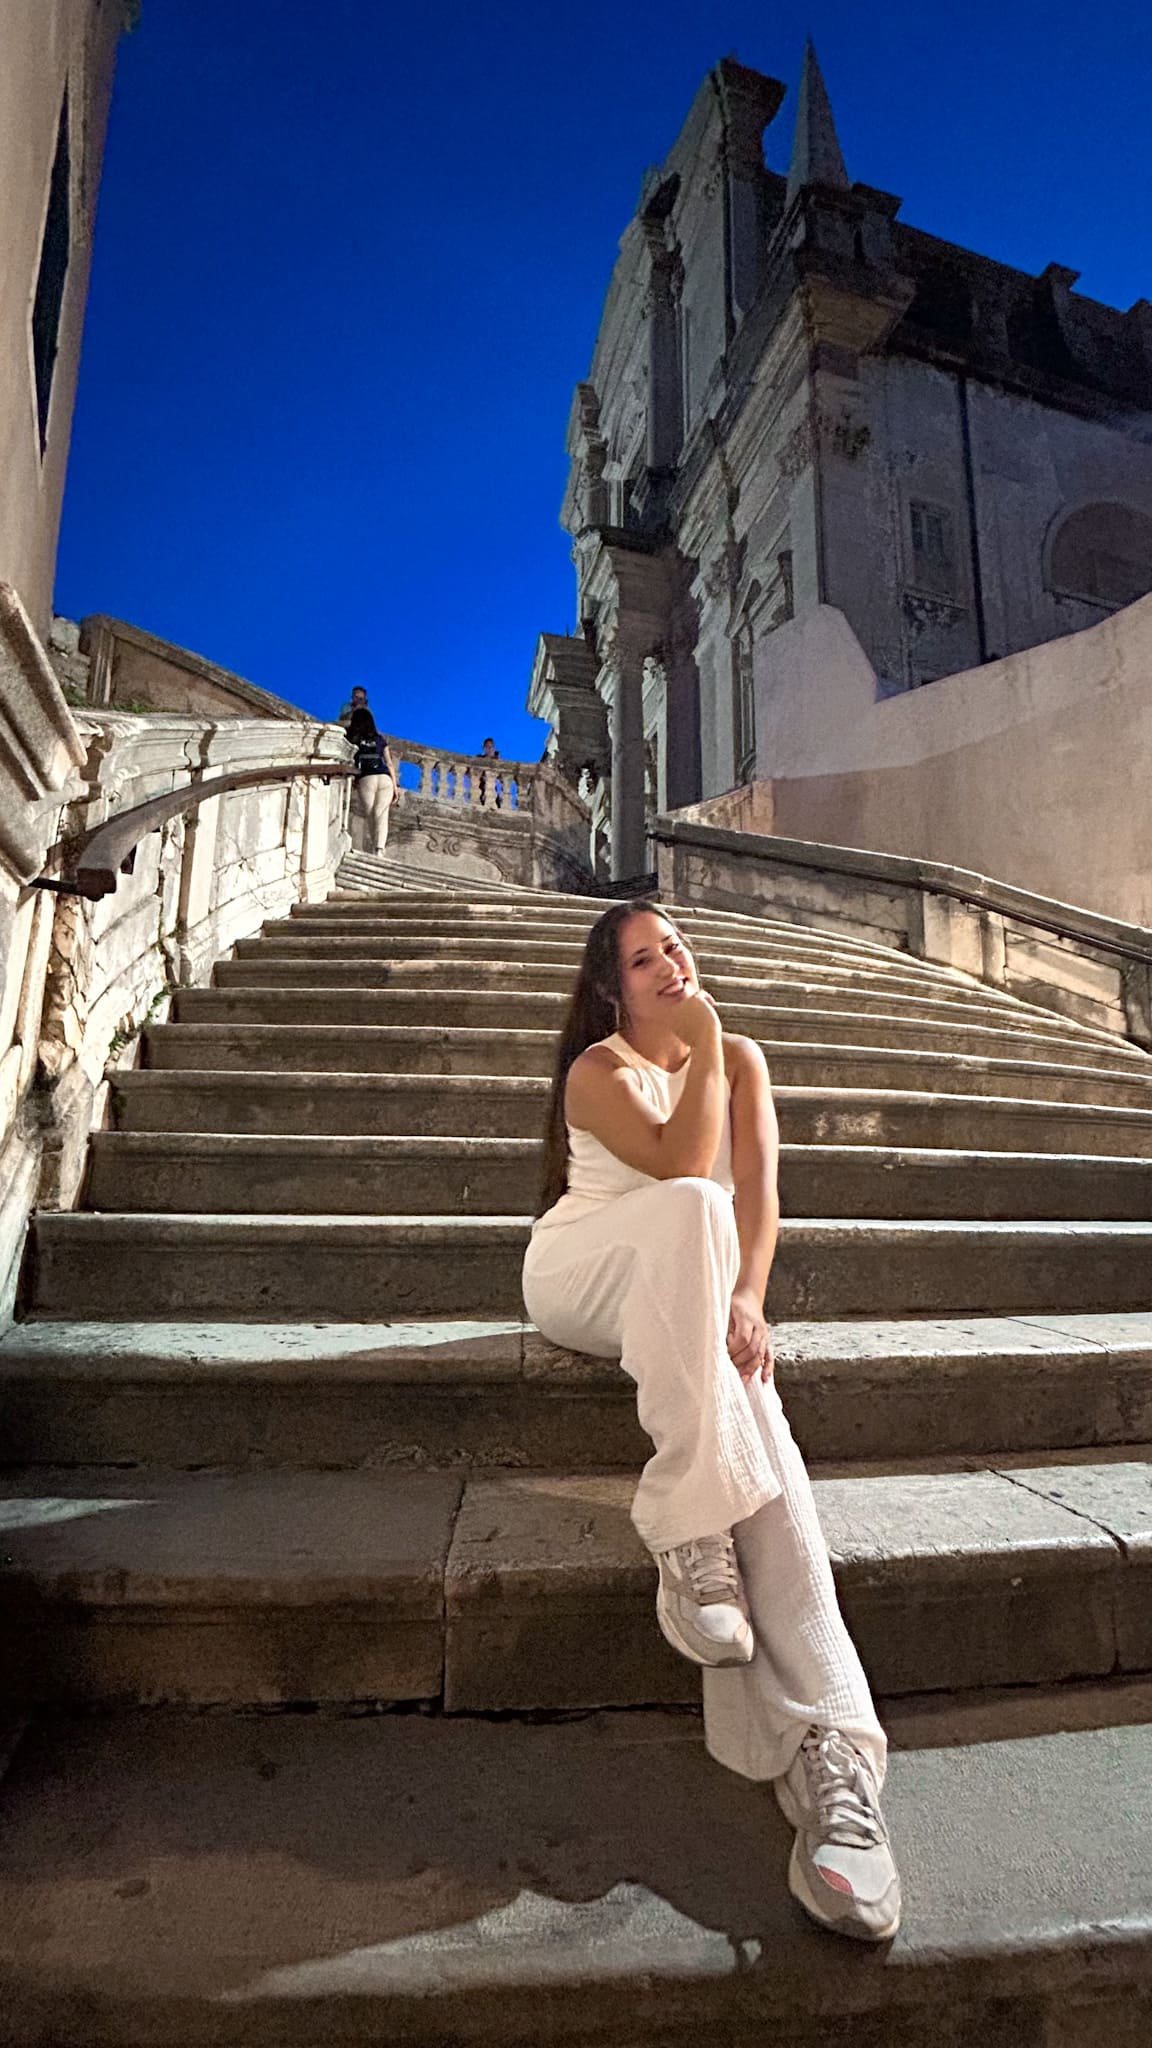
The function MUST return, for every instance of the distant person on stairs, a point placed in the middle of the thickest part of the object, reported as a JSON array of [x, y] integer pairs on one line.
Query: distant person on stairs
[[490, 752], [376, 786], [657, 1230]]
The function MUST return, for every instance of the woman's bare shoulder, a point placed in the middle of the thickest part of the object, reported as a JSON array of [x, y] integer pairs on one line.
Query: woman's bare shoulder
[[591, 1072], [596, 1057], [743, 1057]]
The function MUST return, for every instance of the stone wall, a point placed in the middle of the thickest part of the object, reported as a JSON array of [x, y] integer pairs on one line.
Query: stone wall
[[1091, 968], [127, 669], [81, 978], [1033, 769]]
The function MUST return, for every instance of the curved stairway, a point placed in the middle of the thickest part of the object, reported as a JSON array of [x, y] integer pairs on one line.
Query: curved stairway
[[277, 1435]]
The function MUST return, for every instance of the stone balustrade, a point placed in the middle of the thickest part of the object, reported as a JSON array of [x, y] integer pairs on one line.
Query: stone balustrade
[[470, 780], [515, 821], [79, 980], [1076, 962]]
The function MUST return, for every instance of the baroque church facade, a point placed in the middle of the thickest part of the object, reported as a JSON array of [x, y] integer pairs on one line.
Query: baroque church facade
[[797, 400]]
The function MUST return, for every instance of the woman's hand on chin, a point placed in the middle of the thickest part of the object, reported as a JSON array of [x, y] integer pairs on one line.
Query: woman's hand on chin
[[749, 1338], [696, 1020]]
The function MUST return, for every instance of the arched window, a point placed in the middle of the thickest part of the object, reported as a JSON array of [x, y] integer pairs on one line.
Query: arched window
[[1102, 554]]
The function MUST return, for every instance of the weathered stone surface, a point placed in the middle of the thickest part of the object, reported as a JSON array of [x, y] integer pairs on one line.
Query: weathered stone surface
[[262, 1265], [242, 1589], [367, 1175], [1008, 1588], [497, 1393], [599, 1880], [548, 1599], [338, 1105], [1115, 1497], [549, 1592]]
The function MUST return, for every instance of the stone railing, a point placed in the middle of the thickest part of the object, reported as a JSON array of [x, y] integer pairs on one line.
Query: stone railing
[[470, 780], [513, 821], [80, 978], [1077, 962]]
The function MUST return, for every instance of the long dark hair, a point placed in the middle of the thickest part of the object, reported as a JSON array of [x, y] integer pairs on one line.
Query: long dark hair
[[594, 1012]]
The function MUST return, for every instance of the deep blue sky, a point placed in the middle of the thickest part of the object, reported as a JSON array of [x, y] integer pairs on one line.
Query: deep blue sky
[[350, 260]]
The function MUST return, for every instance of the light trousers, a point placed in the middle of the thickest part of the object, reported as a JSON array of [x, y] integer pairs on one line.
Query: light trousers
[[372, 800], [648, 1277]]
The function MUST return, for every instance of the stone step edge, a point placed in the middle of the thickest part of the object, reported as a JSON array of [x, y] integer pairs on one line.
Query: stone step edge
[[125, 1079], [513, 1229], [1120, 1059], [776, 1051], [686, 1935], [884, 1159], [506, 1349]]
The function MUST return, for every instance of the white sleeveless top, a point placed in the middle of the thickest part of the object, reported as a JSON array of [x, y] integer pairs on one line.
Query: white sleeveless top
[[596, 1175]]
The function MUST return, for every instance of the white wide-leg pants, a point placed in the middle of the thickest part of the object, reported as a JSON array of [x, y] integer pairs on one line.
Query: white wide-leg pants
[[648, 1277]]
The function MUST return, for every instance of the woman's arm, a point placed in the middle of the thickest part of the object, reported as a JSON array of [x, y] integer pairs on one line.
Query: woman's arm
[[755, 1166], [602, 1097]]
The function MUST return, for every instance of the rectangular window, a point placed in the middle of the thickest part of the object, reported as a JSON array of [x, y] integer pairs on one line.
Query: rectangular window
[[933, 548], [54, 253]]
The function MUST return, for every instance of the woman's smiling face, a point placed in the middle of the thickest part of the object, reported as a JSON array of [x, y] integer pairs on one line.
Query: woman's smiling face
[[656, 969]]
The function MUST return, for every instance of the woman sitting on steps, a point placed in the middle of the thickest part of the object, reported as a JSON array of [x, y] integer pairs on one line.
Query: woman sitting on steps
[[657, 1228]]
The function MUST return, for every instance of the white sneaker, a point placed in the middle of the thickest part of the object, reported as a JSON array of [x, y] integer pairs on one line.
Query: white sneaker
[[841, 1869], [700, 1602]]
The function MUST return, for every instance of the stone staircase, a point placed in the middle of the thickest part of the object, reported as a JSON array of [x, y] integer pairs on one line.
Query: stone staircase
[[277, 1437]]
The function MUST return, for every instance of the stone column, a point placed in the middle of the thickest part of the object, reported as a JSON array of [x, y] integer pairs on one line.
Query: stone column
[[627, 728], [665, 396]]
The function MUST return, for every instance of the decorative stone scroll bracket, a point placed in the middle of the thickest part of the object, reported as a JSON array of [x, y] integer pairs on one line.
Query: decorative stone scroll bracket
[[99, 859]]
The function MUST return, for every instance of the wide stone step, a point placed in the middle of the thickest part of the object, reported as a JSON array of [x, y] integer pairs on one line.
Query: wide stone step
[[325, 950], [1023, 1573], [485, 1106], [244, 1589], [524, 1591], [185, 1171], [1064, 1074], [475, 1393], [544, 1009], [493, 1048], [340, 1266], [544, 909], [265, 970], [594, 1881], [569, 927]]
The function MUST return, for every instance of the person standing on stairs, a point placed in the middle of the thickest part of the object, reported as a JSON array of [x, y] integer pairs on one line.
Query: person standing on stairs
[[654, 1241], [375, 790]]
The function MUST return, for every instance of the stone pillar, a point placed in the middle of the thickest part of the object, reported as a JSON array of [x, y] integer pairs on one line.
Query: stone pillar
[[665, 394], [749, 103], [627, 728]]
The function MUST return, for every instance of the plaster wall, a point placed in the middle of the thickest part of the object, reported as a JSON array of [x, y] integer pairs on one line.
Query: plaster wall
[[1032, 769], [47, 46]]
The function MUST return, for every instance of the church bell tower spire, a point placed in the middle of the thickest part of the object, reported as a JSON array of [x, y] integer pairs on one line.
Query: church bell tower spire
[[817, 158]]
